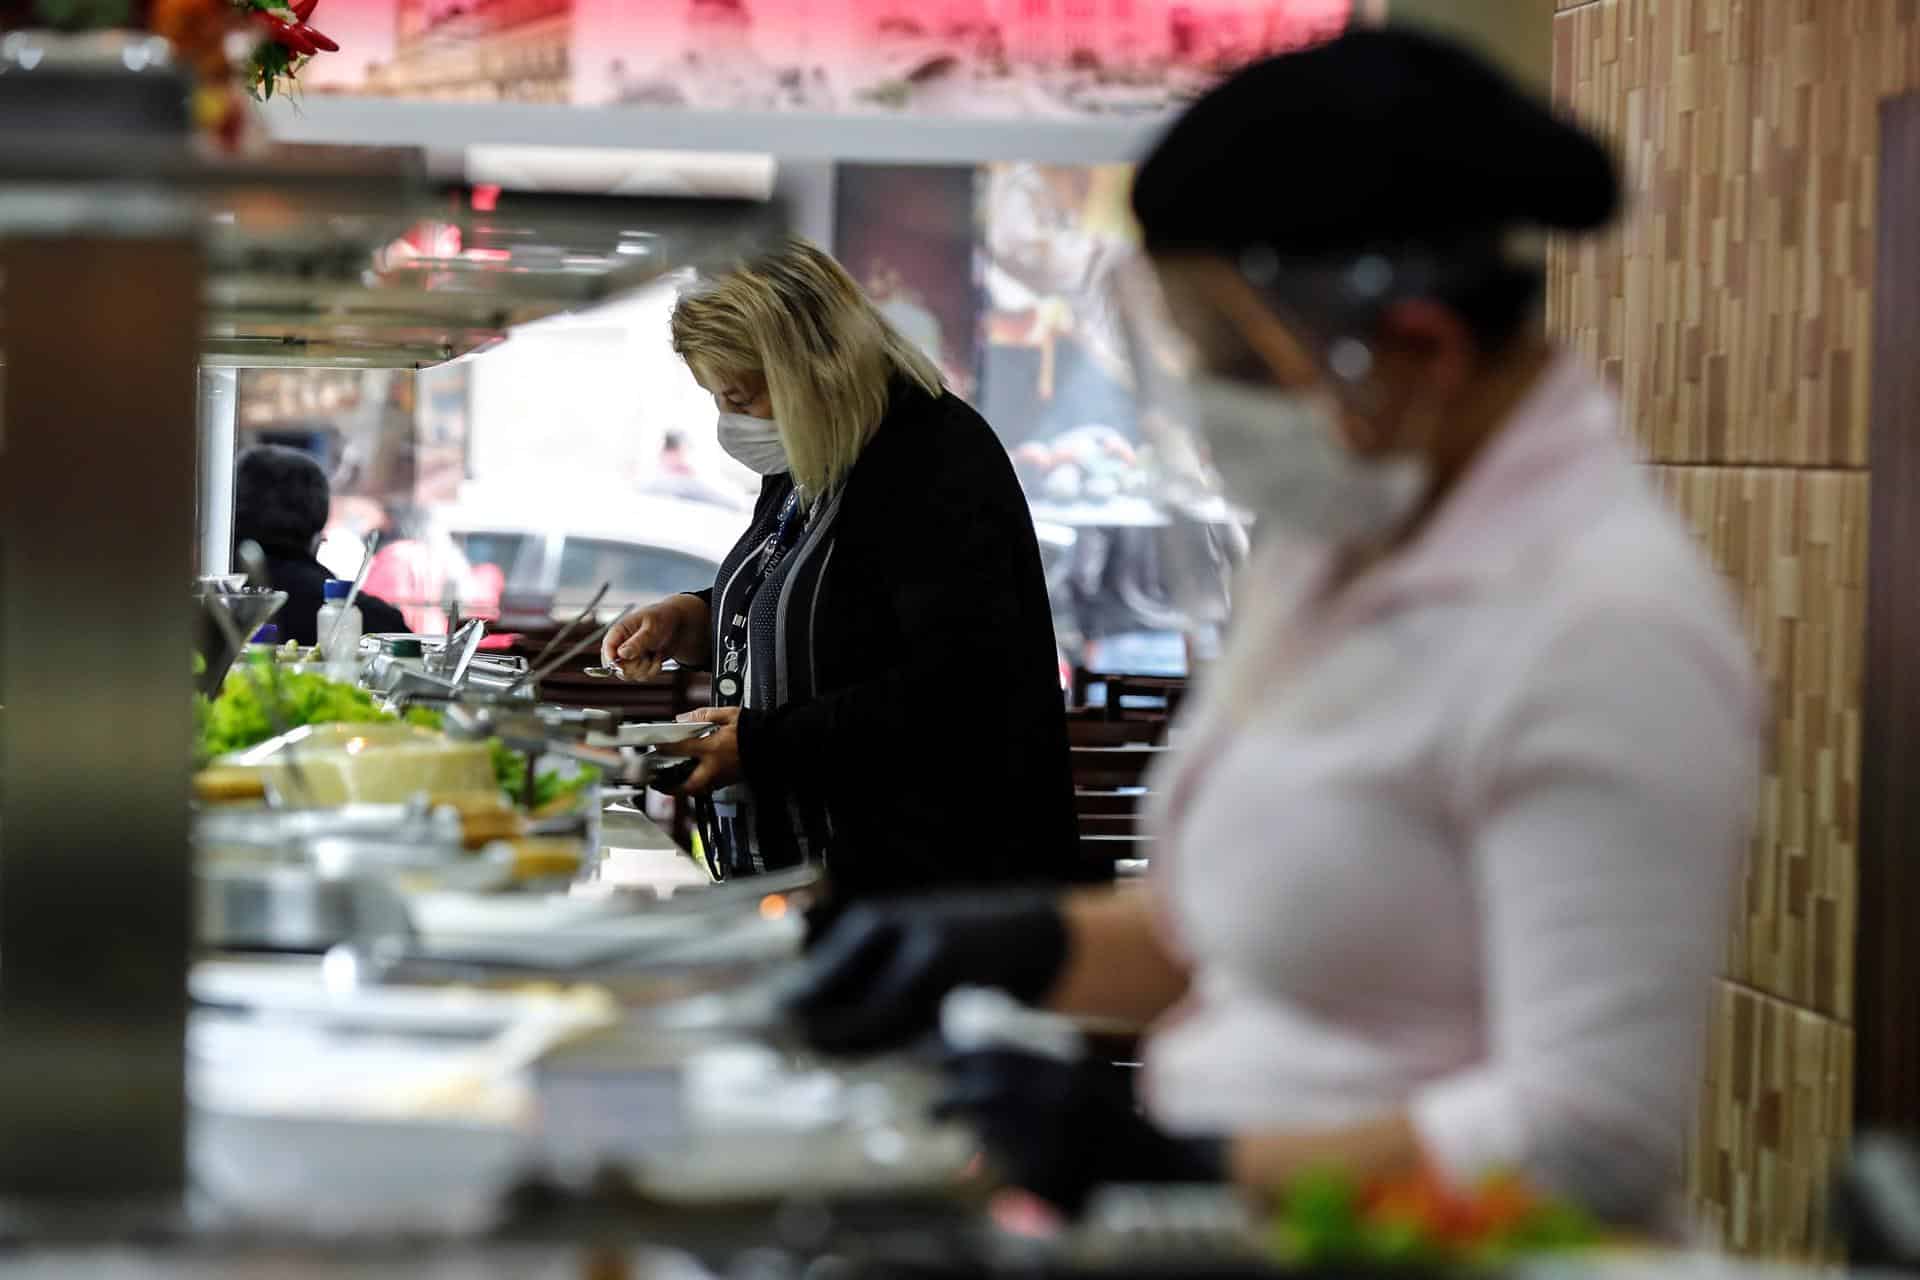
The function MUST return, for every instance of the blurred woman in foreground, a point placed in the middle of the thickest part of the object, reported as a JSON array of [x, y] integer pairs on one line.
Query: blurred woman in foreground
[[1443, 866]]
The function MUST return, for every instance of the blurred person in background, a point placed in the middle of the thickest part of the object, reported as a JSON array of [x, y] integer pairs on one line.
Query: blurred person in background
[[281, 501], [419, 566], [907, 311], [884, 671], [1442, 866]]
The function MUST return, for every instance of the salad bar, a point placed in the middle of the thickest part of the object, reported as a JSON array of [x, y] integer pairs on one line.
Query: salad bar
[[410, 965]]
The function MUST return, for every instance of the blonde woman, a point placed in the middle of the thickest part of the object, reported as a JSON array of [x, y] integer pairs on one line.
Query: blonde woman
[[890, 565]]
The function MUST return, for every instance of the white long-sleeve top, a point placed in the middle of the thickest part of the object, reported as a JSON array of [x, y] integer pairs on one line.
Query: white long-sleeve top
[[1461, 837]]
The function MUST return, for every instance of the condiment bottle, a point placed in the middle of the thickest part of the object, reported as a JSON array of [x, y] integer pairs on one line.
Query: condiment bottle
[[338, 630]]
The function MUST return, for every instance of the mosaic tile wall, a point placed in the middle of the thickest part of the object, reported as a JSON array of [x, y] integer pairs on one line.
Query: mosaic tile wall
[[1732, 310]]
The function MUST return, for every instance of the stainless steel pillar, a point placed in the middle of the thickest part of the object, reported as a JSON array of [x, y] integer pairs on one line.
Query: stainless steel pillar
[[219, 398], [100, 324]]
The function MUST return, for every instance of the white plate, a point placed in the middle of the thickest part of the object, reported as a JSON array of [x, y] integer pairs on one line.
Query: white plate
[[655, 735], [652, 936], [517, 913], [299, 990]]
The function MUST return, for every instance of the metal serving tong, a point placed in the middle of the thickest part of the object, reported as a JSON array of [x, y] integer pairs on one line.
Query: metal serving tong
[[461, 646], [541, 666]]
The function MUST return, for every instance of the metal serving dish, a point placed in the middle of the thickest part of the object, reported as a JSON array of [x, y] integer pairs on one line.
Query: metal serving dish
[[289, 908], [306, 880], [283, 834]]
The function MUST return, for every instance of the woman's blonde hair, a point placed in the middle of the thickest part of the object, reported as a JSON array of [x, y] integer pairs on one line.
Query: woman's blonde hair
[[830, 358]]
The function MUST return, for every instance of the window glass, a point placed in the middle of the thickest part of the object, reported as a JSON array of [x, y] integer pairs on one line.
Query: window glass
[[515, 554], [635, 571]]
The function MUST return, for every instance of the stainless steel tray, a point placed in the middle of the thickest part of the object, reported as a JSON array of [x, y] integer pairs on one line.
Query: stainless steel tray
[[290, 908]]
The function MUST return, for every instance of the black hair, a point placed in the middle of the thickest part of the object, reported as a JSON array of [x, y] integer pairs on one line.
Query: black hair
[[1387, 142], [280, 497]]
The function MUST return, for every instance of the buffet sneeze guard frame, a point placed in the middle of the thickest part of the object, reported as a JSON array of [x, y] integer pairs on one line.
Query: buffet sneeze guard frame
[[127, 261]]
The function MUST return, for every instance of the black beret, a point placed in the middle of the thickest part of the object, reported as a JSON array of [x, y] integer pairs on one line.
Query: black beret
[[1383, 136]]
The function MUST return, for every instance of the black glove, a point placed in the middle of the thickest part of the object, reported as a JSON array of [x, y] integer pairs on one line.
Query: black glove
[[876, 978], [1060, 1129]]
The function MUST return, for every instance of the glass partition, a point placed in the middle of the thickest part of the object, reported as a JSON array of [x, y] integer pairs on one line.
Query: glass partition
[[510, 484]]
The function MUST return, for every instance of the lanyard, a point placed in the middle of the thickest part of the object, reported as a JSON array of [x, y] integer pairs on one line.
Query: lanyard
[[729, 684], [776, 548]]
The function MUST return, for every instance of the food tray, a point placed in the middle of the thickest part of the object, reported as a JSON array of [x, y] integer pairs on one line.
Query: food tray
[[667, 733]]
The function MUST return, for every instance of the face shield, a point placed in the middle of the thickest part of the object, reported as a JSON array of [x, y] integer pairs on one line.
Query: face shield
[[1166, 359], [1241, 436], [1171, 566], [1263, 437]]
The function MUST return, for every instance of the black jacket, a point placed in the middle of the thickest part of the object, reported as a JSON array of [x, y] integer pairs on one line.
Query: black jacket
[[940, 747], [304, 579]]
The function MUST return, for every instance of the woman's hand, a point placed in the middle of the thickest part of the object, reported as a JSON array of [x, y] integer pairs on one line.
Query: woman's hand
[[677, 628], [717, 756]]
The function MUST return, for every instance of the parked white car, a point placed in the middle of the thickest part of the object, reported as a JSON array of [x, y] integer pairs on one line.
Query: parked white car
[[646, 546]]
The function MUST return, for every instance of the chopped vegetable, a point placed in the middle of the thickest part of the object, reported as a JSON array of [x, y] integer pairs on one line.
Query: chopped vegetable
[[1329, 1219], [549, 786], [238, 719]]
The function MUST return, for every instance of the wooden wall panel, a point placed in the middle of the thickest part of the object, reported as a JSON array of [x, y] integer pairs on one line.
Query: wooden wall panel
[[1776, 1109], [1794, 545], [1733, 306]]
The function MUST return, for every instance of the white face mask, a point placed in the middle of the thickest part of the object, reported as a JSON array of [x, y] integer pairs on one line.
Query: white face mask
[[1279, 456], [754, 443]]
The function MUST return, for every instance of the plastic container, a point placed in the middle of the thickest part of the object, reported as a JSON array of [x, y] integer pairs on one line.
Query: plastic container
[[339, 638]]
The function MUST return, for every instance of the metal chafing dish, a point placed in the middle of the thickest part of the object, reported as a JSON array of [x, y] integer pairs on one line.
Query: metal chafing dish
[[307, 880], [448, 670], [286, 908]]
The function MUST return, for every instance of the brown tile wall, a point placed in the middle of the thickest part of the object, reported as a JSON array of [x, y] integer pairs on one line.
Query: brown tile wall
[[1794, 545], [1732, 310], [1775, 1112]]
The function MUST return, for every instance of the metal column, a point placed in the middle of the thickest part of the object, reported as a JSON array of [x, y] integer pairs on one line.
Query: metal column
[[100, 328]]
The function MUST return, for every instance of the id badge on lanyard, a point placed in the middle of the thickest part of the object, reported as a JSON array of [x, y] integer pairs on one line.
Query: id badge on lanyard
[[730, 679]]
